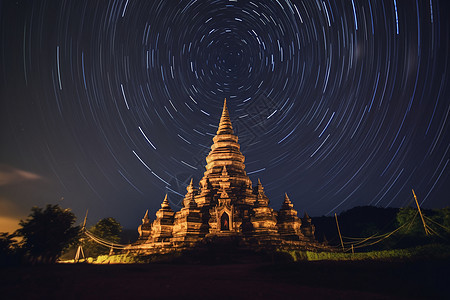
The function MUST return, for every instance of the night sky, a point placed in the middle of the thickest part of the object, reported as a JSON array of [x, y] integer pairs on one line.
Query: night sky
[[109, 105]]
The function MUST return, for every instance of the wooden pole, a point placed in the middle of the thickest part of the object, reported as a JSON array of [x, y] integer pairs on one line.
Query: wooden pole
[[339, 231], [77, 255], [85, 219], [420, 213], [80, 251]]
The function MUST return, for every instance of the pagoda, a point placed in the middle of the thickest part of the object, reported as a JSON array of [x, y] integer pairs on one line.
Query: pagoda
[[224, 206]]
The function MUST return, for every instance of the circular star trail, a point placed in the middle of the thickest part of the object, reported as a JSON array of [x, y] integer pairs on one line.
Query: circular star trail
[[337, 103]]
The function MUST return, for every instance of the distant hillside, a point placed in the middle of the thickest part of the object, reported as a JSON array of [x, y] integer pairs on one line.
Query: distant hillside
[[361, 221], [366, 221]]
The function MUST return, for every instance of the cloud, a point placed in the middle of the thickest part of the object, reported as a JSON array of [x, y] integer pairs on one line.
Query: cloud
[[10, 215], [9, 224], [10, 175], [19, 191]]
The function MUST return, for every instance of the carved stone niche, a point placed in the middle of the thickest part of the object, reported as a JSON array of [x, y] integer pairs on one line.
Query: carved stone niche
[[222, 216]]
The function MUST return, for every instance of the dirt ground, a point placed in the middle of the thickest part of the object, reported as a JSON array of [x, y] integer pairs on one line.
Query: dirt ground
[[306, 280]]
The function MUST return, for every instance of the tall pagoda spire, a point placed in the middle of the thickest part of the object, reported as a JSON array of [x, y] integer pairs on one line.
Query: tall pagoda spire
[[225, 126], [225, 152]]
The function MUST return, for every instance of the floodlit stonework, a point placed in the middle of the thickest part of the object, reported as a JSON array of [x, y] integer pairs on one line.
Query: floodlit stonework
[[225, 206]]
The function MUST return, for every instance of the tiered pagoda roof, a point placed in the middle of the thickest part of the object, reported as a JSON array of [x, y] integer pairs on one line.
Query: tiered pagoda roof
[[225, 205]]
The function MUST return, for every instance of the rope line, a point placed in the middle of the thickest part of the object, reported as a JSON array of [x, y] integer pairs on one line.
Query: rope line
[[432, 221], [357, 242], [380, 238], [104, 242]]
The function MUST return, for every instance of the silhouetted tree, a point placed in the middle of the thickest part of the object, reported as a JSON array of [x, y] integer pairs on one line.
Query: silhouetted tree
[[8, 249], [413, 233], [47, 232], [410, 218], [108, 229], [443, 218]]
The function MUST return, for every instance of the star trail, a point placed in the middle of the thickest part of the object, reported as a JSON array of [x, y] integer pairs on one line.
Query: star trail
[[113, 104]]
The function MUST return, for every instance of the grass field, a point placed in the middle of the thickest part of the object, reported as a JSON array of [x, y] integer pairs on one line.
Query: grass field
[[426, 252], [433, 251], [368, 279]]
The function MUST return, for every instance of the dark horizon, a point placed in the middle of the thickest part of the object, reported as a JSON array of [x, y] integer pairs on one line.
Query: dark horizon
[[109, 106]]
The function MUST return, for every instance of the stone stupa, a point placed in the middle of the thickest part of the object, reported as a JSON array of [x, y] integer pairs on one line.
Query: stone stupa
[[225, 206]]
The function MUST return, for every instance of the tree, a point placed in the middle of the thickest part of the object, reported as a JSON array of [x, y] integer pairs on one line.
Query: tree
[[410, 219], [107, 229], [47, 232], [443, 218], [413, 233], [8, 249]]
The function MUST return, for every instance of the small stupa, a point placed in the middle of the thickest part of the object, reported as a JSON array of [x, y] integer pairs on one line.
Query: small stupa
[[225, 205]]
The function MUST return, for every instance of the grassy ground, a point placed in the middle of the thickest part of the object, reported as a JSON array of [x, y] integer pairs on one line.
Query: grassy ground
[[236, 255], [432, 251], [420, 279]]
